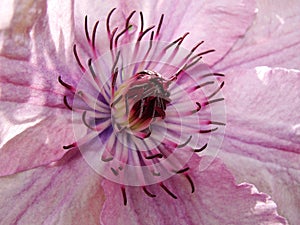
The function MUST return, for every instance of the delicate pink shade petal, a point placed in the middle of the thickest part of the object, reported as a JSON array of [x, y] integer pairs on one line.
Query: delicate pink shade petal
[[272, 40], [217, 200], [262, 144], [70, 194], [33, 138]]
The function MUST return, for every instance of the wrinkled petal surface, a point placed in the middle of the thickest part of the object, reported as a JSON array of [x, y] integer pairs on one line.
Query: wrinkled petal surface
[[262, 144], [217, 200], [66, 195], [272, 40]]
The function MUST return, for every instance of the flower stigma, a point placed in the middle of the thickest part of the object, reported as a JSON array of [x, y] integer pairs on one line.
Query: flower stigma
[[143, 107]]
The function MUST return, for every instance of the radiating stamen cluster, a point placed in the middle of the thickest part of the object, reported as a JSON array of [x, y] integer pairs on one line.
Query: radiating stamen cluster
[[142, 109]]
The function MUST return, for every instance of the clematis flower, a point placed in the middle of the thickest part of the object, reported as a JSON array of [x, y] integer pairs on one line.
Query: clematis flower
[[42, 183]]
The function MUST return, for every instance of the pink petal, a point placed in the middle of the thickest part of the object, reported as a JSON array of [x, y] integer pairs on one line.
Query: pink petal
[[32, 136], [217, 200], [70, 194], [219, 23], [262, 144], [273, 40]]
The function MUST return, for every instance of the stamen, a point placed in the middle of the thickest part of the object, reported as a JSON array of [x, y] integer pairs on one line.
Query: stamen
[[91, 68], [84, 121], [194, 49], [159, 155], [67, 104], [73, 145], [112, 38], [182, 38], [159, 25], [168, 191], [86, 29], [214, 93], [128, 18], [107, 22], [207, 131], [68, 86], [185, 143], [77, 59], [120, 34], [145, 32], [94, 36], [183, 170], [142, 22], [204, 84], [213, 101], [113, 82], [198, 108], [115, 172], [213, 74], [204, 53], [217, 123], [148, 193], [124, 195], [201, 149], [191, 182]]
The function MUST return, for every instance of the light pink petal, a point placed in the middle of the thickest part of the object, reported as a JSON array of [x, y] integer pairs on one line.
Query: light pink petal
[[273, 40], [217, 200], [67, 195], [219, 23], [262, 144], [32, 136], [34, 51]]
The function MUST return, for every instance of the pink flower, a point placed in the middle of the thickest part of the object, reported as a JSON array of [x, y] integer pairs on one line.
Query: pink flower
[[42, 183]]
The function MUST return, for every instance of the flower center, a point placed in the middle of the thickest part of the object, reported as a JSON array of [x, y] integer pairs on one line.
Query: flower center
[[139, 102]]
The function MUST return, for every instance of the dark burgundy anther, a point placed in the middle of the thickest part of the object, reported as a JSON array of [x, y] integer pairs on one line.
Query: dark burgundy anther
[[159, 25], [201, 149], [112, 38], [107, 159], [205, 52], [142, 22], [124, 195], [204, 84], [182, 38], [198, 106], [66, 103], [120, 34], [185, 143], [213, 101], [159, 155], [207, 131], [86, 29], [85, 122], [94, 35], [213, 74], [129, 18], [77, 59], [214, 93], [183, 170], [73, 145], [191, 182], [217, 123], [148, 193], [145, 32], [107, 22], [115, 172], [196, 46], [68, 86], [168, 191], [91, 68], [172, 43]]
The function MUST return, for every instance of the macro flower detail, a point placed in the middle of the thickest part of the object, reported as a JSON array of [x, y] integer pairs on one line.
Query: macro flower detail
[[144, 110]]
